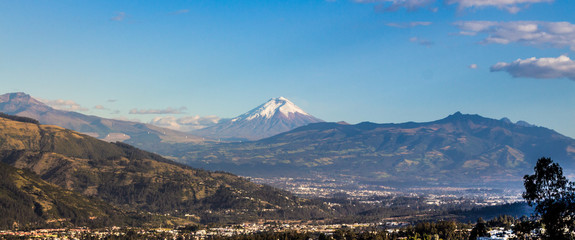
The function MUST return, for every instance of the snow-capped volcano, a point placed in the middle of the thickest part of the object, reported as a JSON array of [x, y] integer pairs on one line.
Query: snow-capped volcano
[[272, 107], [273, 117]]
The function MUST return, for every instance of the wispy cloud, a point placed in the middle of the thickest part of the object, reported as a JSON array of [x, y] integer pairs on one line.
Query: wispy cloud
[[159, 111], [67, 105], [512, 6], [554, 34], [395, 5], [543, 68], [423, 42], [185, 124], [408, 24], [100, 107], [119, 17]]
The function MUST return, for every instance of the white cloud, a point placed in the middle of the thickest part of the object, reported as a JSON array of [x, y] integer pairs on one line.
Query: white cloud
[[159, 111], [473, 27], [543, 68], [512, 6], [473, 66], [185, 124], [66, 105], [554, 34], [394, 5], [100, 107], [423, 42], [119, 17], [408, 24]]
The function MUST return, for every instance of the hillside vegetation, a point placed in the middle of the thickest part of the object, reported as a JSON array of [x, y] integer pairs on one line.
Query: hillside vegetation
[[28, 201], [139, 181]]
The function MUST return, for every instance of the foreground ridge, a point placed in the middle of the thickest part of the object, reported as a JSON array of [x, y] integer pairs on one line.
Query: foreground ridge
[[138, 181]]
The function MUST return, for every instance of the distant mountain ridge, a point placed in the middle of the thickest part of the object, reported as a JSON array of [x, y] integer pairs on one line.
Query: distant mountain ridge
[[273, 117], [22, 104], [461, 149]]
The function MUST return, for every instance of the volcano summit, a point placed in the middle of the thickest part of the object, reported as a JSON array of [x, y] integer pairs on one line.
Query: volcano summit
[[273, 117]]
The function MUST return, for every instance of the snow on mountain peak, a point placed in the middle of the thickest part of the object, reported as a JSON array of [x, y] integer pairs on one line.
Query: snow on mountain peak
[[270, 108]]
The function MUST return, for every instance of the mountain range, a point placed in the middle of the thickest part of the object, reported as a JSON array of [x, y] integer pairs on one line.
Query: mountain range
[[459, 150], [53, 175], [273, 117], [126, 178], [111, 130]]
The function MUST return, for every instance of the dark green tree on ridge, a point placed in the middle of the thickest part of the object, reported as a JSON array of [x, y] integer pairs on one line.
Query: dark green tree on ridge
[[554, 199]]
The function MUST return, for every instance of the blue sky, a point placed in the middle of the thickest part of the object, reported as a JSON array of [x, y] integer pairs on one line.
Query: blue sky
[[344, 60]]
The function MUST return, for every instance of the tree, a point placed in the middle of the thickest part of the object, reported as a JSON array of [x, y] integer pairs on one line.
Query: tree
[[480, 230], [524, 227], [553, 197]]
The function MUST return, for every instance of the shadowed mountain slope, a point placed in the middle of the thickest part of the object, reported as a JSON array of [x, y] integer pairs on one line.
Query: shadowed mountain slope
[[140, 181], [27, 200], [458, 150]]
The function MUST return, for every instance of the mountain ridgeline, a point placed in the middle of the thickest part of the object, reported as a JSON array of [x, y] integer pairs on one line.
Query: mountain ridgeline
[[459, 150], [23, 105], [273, 117], [137, 181]]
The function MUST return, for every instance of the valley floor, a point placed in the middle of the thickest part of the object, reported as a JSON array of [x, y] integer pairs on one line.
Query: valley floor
[[273, 230]]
